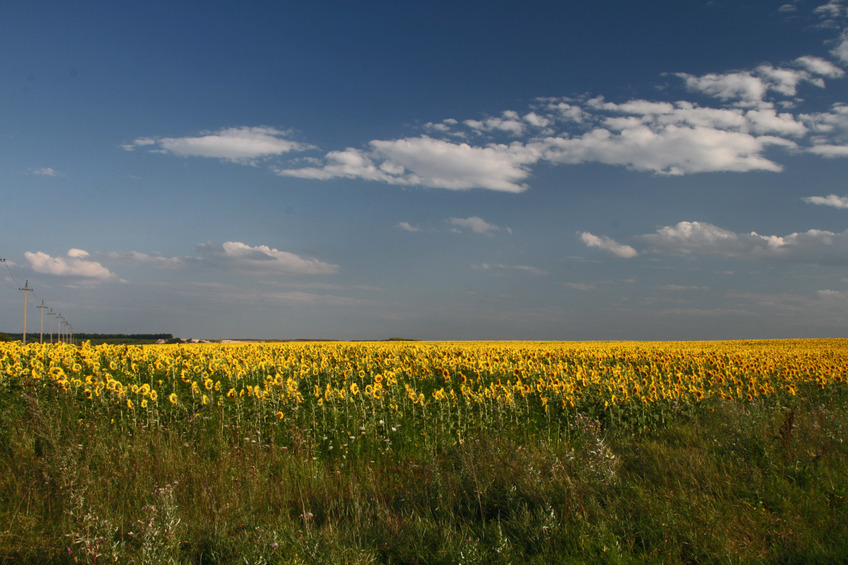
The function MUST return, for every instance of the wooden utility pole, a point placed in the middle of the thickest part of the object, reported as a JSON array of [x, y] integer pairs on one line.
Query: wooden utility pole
[[41, 332], [26, 289], [51, 313]]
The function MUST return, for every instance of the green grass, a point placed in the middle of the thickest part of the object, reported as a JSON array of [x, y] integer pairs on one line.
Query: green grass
[[725, 482]]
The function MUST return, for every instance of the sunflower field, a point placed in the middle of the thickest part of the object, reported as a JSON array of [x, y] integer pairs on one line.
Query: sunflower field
[[448, 417]]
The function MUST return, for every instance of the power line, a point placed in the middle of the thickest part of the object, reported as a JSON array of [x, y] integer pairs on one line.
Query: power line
[[64, 326], [6, 284], [11, 274]]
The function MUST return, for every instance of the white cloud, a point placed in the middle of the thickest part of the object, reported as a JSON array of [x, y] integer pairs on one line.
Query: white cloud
[[241, 145], [681, 288], [261, 258], [767, 120], [786, 81], [819, 247], [750, 88], [536, 120], [833, 9], [458, 166], [523, 268], [230, 255], [820, 66], [46, 172], [833, 123], [831, 294], [75, 263], [830, 130], [406, 226], [841, 49], [608, 244], [738, 132], [829, 150], [674, 138], [741, 86], [138, 258], [562, 109], [669, 150], [829, 200], [299, 297], [509, 122], [424, 161], [580, 286], [475, 224]]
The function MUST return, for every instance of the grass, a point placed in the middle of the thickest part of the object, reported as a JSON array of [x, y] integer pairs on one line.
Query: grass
[[727, 482]]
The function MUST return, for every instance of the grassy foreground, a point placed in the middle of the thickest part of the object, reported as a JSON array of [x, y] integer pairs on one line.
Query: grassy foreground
[[755, 478]]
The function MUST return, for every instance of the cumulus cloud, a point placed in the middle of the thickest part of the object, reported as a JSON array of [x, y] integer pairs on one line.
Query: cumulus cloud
[[240, 145], [668, 150], [699, 238], [425, 161], [681, 288], [735, 126], [580, 286], [819, 66], [831, 294], [75, 263], [738, 86], [139, 258], [46, 172], [501, 266], [751, 87], [300, 297], [832, 9], [230, 255], [406, 226], [830, 131], [830, 150], [829, 200], [474, 224], [509, 122], [608, 244], [841, 49], [260, 258]]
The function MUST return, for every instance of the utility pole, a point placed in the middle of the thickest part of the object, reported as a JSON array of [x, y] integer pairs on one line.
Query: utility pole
[[26, 289], [41, 332], [59, 319], [51, 313]]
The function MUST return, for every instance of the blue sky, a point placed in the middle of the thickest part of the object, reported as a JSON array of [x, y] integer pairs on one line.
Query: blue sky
[[433, 170]]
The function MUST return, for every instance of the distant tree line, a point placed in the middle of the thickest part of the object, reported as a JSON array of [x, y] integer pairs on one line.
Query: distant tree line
[[95, 338]]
